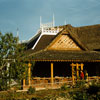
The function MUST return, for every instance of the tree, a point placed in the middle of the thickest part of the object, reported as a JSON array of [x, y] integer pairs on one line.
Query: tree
[[12, 63]]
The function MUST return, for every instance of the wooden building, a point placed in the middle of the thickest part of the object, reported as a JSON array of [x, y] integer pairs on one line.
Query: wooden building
[[57, 51]]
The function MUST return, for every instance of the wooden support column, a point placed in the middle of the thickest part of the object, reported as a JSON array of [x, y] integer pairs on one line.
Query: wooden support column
[[52, 80], [82, 66], [29, 74], [77, 70], [72, 65], [24, 81]]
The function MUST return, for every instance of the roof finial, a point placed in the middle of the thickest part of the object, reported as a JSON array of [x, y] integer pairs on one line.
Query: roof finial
[[65, 21], [17, 32], [53, 20]]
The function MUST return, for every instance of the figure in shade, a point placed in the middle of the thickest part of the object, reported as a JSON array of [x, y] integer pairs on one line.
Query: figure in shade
[[82, 75], [86, 76]]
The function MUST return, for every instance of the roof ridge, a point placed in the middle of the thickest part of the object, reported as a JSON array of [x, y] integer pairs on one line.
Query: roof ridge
[[88, 26], [68, 28], [74, 36]]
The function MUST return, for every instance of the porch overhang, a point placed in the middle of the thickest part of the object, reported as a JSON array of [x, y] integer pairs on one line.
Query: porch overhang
[[40, 60], [65, 56]]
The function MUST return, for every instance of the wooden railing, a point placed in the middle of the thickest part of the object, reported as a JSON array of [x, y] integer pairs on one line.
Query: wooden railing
[[45, 83], [94, 78], [38, 80]]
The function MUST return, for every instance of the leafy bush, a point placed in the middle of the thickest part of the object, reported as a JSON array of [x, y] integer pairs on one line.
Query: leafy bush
[[90, 93], [80, 95], [80, 84], [64, 87], [31, 90], [3, 84], [93, 89]]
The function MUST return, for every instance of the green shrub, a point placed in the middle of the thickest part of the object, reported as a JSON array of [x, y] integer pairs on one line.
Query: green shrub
[[31, 90], [80, 84], [62, 94], [64, 87], [80, 95], [90, 93], [3, 84], [93, 89]]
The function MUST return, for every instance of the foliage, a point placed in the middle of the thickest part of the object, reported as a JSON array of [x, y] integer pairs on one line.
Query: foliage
[[55, 94], [80, 83], [64, 87], [90, 93], [31, 90], [93, 89], [33, 64], [11, 59], [80, 95]]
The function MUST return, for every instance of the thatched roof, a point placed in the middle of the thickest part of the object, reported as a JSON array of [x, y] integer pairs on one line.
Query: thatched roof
[[31, 43], [87, 37], [68, 29], [65, 55], [42, 44]]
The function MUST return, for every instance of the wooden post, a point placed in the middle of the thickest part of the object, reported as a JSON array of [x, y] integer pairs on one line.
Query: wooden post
[[72, 73], [77, 70], [29, 73], [82, 66], [24, 82], [52, 81]]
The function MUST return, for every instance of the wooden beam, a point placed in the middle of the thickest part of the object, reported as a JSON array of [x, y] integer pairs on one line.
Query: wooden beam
[[52, 80], [82, 66], [77, 70], [29, 74], [72, 65], [24, 81]]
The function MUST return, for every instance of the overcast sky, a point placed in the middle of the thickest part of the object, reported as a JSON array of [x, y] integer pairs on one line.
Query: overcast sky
[[25, 14]]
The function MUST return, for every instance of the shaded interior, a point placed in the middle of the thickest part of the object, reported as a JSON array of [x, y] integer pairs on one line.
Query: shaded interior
[[62, 69]]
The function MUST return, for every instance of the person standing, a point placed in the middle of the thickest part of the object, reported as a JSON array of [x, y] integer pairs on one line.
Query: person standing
[[86, 75], [82, 75]]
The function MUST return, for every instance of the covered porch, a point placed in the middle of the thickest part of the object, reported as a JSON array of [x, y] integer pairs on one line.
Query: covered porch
[[53, 74]]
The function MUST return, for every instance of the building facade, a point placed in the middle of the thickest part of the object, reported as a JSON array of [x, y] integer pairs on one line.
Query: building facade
[[64, 51]]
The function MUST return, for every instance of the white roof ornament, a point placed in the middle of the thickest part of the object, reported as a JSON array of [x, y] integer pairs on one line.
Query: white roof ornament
[[17, 33], [53, 20], [47, 25], [65, 21]]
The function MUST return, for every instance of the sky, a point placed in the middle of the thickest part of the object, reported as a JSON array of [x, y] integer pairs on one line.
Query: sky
[[25, 14]]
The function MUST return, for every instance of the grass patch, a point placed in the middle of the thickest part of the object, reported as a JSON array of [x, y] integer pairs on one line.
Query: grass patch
[[73, 93]]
